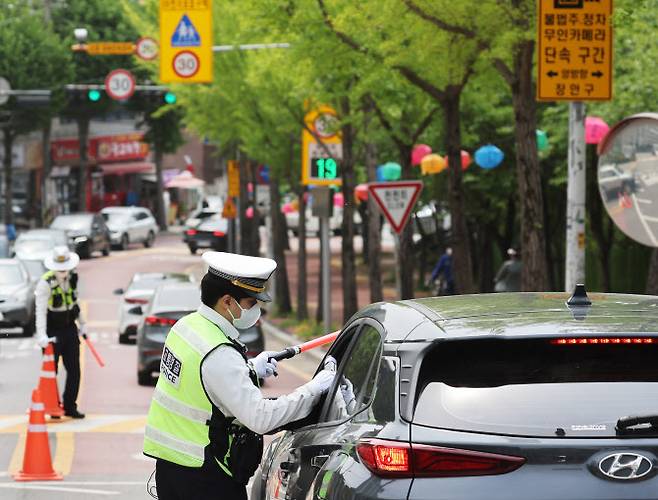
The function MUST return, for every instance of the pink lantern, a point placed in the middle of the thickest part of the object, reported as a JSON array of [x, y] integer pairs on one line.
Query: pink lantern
[[249, 212], [250, 187], [339, 200], [466, 160], [419, 152], [287, 208], [361, 192], [595, 129]]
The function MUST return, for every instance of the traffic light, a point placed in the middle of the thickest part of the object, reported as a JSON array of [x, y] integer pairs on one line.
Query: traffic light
[[94, 95], [170, 97]]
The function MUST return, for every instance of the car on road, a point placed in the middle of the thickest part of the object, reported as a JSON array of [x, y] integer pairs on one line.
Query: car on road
[[494, 396], [86, 232], [139, 292], [33, 246], [130, 225], [16, 297], [207, 230], [614, 181]]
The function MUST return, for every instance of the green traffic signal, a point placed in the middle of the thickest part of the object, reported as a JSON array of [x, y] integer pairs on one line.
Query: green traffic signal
[[94, 95], [170, 98]]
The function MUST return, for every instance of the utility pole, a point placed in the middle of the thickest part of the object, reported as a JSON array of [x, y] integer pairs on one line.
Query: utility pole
[[576, 191]]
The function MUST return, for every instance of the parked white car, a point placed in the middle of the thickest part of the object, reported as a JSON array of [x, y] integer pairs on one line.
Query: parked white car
[[130, 225]]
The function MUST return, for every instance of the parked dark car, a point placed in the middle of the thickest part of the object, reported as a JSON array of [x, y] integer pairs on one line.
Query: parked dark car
[[87, 233], [501, 396], [208, 229], [16, 297]]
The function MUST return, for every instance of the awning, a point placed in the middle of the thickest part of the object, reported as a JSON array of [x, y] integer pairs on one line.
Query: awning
[[185, 180], [134, 167]]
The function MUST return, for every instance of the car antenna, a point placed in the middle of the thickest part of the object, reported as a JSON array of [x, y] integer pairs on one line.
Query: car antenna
[[579, 297]]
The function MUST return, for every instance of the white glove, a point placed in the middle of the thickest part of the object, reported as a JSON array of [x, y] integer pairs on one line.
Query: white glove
[[83, 329], [347, 389], [321, 382], [42, 341], [263, 365]]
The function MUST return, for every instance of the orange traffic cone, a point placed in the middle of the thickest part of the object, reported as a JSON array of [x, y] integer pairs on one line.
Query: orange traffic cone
[[37, 465], [48, 384]]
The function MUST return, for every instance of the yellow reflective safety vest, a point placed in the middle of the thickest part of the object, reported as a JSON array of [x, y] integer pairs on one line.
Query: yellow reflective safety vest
[[177, 428], [63, 307]]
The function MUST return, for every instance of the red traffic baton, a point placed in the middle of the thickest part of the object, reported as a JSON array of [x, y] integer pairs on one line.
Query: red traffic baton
[[289, 352], [93, 350]]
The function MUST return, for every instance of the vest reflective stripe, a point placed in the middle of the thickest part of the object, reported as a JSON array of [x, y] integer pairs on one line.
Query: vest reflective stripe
[[181, 409], [167, 440], [177, 429], [68, 300]]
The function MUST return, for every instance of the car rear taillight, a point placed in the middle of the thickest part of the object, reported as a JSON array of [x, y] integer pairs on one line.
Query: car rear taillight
[[218, 233], [136, 301], [156, 321], [190, 232], [396, 459], [604, 341]]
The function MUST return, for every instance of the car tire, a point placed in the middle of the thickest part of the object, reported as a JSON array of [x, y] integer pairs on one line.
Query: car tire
[[193, 249], [106, 250], [124, 338], [148, 242], [28, 328], [145, 378], [84, 252], [124, 242]]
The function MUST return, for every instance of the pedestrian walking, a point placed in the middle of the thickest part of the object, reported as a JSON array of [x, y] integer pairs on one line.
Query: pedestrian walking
[[207, 415], [508, 278], [58, 320], [443, 271]]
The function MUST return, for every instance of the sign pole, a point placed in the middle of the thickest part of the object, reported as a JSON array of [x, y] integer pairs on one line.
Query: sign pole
[[326, 273], [576, 190]]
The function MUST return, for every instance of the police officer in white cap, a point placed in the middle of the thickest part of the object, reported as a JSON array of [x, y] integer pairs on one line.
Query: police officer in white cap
[[207, 415], [57, 312]]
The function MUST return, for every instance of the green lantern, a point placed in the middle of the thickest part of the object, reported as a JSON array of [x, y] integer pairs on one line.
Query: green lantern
[[542, 140]]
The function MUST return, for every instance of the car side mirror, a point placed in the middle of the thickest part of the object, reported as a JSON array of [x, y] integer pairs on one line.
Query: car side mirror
[[118, 291], [136, 310], [263, 312]]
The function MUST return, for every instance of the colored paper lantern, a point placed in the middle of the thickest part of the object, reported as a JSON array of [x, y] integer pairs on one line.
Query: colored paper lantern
[[287, 208], [419, 152], [489, 156], [392, 171], [339, 200], [361, 192], [432, 164], [466, 160], [249, 212], [542, 140], [380, 173], [595, 129]]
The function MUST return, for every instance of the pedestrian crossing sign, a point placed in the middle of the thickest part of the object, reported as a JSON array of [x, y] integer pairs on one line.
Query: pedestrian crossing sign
[[185, 34]]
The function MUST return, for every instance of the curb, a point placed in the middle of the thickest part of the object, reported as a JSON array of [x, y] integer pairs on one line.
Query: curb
[[287, 338]]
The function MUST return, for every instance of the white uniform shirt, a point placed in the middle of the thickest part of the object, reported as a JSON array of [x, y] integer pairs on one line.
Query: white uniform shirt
[[225, 377], [42, 294]]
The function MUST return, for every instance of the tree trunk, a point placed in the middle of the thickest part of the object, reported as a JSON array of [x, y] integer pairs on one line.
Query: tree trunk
[[652, 279], [406, 258], [45, 174], [462, 263], [373, 227], [245, 236], [533, 244], [83, 139], [8, 140], [254, 222], [302, 275], [598, 218], [278, 235], [160, 214], [350, 299]]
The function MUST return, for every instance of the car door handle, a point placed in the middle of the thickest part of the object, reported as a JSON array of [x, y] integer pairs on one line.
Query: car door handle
[[319, 460]]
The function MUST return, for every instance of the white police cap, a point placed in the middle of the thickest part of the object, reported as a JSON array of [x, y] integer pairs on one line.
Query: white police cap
[[248, 273]]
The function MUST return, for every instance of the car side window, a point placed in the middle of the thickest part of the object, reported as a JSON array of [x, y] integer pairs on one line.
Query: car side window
[[142, 216], [355, 388]]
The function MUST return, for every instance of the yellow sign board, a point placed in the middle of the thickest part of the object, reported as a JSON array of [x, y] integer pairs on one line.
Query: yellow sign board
[[574, 50], [109, 48], [322, 148], [233, 170], [186, 41], [230, 211]]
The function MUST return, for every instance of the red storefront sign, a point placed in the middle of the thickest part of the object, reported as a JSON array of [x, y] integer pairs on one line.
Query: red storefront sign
[[104, 149]]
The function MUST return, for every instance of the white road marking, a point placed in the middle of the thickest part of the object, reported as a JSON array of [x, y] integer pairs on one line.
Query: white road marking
[[651, 219], [640, 215], [52, 487], [642, 200]]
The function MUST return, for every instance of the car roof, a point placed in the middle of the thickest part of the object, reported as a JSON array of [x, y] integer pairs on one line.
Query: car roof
[[179, 288], [179, 277], [519, 315], [41, 232]]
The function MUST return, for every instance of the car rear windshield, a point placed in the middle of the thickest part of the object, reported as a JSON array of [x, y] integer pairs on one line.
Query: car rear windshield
[[11, 274], [178, 298], [72, 222], [537, 387]]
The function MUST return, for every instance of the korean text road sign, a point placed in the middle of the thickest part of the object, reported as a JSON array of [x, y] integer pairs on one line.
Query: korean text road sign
[[109, 48], [233, 171], [322, 148], [186, 41], [120, 84], [574, 50], [396, 200]]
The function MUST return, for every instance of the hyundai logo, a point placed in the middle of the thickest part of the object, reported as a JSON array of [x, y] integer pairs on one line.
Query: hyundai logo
[[625, 466]]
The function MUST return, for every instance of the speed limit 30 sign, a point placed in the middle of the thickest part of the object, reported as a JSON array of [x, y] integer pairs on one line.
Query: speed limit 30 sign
[[120, 84], [186, 64]]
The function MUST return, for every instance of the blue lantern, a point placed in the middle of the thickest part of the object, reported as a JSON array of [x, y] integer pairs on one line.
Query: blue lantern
[[489, 156], [380, 173]]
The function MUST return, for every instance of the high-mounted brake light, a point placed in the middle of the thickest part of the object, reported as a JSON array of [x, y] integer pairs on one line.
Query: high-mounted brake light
[[604, 341], [190, 232], [396, 459], [155, 321], [136, 301]]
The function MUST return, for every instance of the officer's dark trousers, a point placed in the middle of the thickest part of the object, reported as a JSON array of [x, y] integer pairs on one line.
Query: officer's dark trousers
[[175, 482], [67, 347]]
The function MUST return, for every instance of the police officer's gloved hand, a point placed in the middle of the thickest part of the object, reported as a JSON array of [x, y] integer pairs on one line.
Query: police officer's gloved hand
[[347, 389], [42, 342], [263, 365], [83, 329], [322, 381]]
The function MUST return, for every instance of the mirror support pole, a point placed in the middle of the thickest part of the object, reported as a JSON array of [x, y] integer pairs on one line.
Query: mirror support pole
[[575, 251]]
